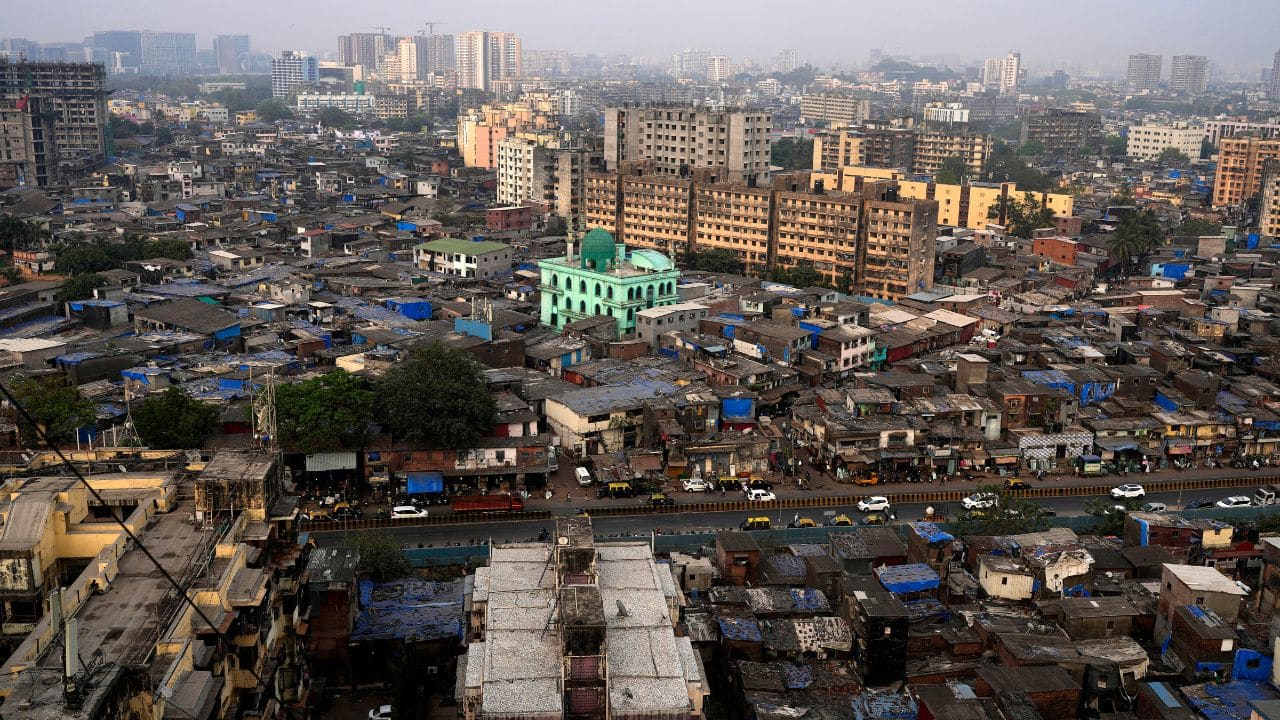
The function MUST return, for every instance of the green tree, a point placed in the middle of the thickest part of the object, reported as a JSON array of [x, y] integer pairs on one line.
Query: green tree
[[1206, 149], [272, 110], [324, 413], [336, 118], [792, 153], [800, 276], [1172, 156], [81, 259], [79, 287], [1005, 165], [1115, 146], [57, 409], [10, 274], [173, 420], [953, 171], [718, 260], [845, 283], [1031, 148], [18, 234], [380, 558], [1110, 521], [171, 248], [1010, 516], [436, 398], [1136, 236], [1196, 227], [1024, 216]]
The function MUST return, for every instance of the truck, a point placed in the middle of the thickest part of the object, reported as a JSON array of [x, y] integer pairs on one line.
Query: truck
[[1266, 495], [486, 503]]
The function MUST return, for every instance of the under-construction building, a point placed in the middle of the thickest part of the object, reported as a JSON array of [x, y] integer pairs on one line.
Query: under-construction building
[[569, 629]]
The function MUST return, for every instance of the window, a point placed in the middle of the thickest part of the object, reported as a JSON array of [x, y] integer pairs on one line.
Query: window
[[1004, 581]]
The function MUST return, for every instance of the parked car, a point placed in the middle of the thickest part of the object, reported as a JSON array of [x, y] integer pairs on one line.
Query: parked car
[[1198, 504], [1154, 507], [875, 503], [660, 499], [695, 484], [382, 712], [1128, 491], [980, 501], [1016, 484], [759, 485], [1233, 502], [583, 475], [407, 511], [758, 495]]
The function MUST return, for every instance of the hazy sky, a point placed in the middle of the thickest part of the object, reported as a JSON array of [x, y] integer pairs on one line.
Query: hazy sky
[[1237, 35]]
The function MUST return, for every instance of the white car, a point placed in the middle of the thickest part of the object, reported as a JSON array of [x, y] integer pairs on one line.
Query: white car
[[583, 475], [382, 712], [695, 484], [1154, 507], [875, 503], [979, 501], [1127, 491], [1233, 502], [407, 511], [759, 495]]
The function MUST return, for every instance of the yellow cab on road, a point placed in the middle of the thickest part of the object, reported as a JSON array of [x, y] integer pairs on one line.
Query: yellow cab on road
[[756, 523]]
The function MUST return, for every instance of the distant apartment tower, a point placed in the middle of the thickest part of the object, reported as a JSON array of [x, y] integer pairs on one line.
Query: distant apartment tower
[[485, 57], [1273, 92], [482, 129], [67, 106], [231, 53], [1189, 74], [834, 109], [1240, 168], [292, 71], [424, 56], [690, 62], [28, 145], [1269, 204], [1064, 133], [786, 61], [932, 148], [540, 170], [1144, 71], [168, 53], [125, 45], [899, 238], [717, 68], [1148, 141], [1002, 73], [680, 138], [364, 49], [939, 113]]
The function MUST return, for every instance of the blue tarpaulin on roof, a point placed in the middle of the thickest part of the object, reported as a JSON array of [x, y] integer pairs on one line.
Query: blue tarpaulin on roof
[[736, 628], [409, 610], [913, 578], [425, 482], [931, 533]]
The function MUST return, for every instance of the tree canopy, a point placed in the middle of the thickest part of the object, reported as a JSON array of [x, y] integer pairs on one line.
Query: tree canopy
[[1024, 216], [1172, 156], [58, 409], [380, 557], [1115, 146], [800, 276], [1010, 516], [1136, 236], [17, 233], [1031, 148], [792, 153], [718, 260], [271, 110], [90, 257], [79, 287], [1005, 165], [173, 420], [1196, 227], [324, 413], [336, 118], [953, 171], [436, 398]]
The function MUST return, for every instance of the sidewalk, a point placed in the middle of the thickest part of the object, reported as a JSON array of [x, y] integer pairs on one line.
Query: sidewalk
[[567, 493]]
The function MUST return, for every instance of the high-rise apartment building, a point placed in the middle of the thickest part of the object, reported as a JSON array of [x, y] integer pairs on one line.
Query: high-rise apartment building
[[483, 57], [1240, 168], [1064, 133], [897, 253], [932, 147], [1189, 74], [424, 56], [231, 53], [482, 129], [1002, 73], [70, 99], [1144, 71], [28, 145], [541, 168], [363, 49], [717, 68], [680, 138], [1273, 91], [835, 109], [690, 62], [786, 61], [168, 53], [1148, 141], [292, 71], [123, 45], [1269, 199]]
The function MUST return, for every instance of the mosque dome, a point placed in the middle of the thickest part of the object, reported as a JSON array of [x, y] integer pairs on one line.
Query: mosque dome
[[599, 250]]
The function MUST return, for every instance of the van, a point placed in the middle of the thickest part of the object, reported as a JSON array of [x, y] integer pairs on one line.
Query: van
[[1266, 495], [583, 475]]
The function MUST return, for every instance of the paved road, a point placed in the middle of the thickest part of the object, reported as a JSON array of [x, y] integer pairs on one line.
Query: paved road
[[642, 525]]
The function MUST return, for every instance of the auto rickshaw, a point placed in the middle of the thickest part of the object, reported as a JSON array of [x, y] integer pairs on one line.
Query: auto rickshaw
[[756, 523], [841, 521], [803, 522]]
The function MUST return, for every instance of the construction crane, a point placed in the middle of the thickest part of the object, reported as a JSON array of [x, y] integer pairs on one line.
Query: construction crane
[[430, 25], [382, 28]]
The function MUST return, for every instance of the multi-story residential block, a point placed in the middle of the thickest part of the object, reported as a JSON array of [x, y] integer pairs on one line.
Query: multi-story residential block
[[1273, 90], [1144, 71], [363, 49], [870, 146], [484, 57], [1216, 130], [718, 68], [168, 53], [821, 229], [71, 98], [464, 258], [28, 144], [231, 53], [542, 169], [1269, 202], [898, 252], [292, 71], [1064, 133], [1002, 73], [940, 113], [481, 130], [690, 62], [678, 139], [1240, 168], [347, 102], [977, 205], [1148, 141], [1189, 74], [785, 61], [933, 147], [834, 109], [605, 278]]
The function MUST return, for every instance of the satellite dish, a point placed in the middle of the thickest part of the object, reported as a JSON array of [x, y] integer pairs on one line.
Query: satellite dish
[[562, 540]]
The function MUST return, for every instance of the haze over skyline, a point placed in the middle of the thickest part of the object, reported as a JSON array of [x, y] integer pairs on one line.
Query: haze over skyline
[[1094, 34]]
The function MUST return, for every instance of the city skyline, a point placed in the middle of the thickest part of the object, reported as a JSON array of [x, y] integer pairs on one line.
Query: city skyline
[[955, 29]]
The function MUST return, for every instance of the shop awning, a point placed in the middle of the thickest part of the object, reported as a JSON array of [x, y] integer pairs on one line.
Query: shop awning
[[854, 457], [326, 461], [1116, 444], [1179, 448], [979, 455]]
